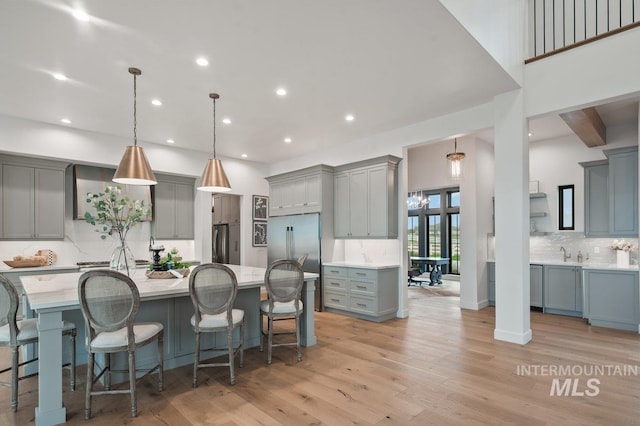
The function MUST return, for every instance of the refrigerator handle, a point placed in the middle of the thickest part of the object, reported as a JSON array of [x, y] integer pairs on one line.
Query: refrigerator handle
[[215, 245], [291, 248], [288, 242]]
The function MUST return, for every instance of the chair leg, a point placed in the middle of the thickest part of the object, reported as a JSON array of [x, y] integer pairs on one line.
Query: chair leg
[[107, 376], [261, 332], [14, 380], [132, 384], [231, 357], [89, 386], [242, 344], [73, 360], [297, 320], [196, 361], [270, 339], [161, 363]]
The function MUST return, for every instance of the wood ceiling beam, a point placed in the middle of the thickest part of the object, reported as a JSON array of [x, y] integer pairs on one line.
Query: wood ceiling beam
[[587, 125]]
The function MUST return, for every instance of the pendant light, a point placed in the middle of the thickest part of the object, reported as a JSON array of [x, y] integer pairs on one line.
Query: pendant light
[[214, 179], [134, 168], [455, 161]]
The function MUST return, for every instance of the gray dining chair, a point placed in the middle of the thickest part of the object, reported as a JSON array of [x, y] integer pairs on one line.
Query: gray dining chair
[[213, 288], [16, 333], [283, 279], [109, 302]]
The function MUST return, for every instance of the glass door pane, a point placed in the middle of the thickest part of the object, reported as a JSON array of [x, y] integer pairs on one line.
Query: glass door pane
[[413, 236], [433, 235], [454, 243]]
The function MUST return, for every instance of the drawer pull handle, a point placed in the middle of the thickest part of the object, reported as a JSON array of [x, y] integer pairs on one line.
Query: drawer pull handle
[[362, 274], [361, 286], [335, 300], [336, 284], [362, 304], [334, 271]]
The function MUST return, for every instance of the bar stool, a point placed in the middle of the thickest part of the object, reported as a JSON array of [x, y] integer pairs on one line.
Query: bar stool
[[284, 280], [109, 302], [15, 333]]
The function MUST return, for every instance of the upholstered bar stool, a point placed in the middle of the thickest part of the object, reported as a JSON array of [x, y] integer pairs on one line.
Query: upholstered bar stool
[[284, 280], [15, 333], [109, 302], [213, 288]]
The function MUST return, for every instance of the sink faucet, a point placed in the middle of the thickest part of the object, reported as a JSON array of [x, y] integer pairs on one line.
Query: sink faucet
[[564, 254], [579, 256]]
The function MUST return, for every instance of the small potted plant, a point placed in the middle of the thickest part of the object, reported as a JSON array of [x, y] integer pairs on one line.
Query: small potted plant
[[171, 262]]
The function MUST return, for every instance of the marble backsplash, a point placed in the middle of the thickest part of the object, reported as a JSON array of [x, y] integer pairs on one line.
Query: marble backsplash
[[547, 247]]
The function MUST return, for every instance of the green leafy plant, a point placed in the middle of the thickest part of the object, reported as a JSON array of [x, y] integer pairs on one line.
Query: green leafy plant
[[174, 258], [116, 213]]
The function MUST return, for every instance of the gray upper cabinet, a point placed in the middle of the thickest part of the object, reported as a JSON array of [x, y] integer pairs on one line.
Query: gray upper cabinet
[[611, 194], [623, 191], [226, 209], [366, 199], [32, 199], [596, 198], [173, 208], [308, 190]]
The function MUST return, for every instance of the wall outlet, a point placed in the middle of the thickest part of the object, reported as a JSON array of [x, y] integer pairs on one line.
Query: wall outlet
[[596, 250]]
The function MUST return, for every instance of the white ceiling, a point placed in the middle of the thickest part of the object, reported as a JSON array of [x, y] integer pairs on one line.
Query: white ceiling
[[389, 63]]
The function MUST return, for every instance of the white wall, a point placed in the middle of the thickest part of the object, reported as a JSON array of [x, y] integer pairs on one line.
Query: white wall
[[34, 139], [497, 26]]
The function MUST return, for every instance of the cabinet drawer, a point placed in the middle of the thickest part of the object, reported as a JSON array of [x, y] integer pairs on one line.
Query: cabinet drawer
[[335, 271], [335, 284], [362, 287], [368, 274], [363, 304], [335, 300]]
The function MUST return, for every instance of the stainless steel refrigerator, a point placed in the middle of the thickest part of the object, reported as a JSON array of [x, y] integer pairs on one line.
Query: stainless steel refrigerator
[[290, 237], [225, 243]]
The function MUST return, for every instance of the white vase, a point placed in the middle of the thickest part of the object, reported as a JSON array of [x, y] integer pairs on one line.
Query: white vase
[[622, 257], [122, 259]]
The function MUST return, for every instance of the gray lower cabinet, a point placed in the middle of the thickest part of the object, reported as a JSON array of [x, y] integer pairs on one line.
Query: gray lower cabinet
[[562, 289], [370, 294], [535, 284], [612, 299]]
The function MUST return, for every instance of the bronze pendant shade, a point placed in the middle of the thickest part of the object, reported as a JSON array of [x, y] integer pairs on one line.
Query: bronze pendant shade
[[134, 169], [214, 179]]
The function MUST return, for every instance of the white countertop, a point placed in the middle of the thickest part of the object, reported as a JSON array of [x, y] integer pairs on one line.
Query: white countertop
[[361, 265], [584, 265], [5, 268], [61, 290]]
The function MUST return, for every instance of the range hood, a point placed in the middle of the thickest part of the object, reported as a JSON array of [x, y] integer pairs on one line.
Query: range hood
[[96, 179]]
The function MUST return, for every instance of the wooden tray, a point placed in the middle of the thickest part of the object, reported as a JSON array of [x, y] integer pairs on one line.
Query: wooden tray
[[24, 263], [166, 274]]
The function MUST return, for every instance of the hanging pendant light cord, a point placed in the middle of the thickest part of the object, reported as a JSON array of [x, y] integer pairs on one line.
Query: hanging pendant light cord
[[214, 128], [135, 121]]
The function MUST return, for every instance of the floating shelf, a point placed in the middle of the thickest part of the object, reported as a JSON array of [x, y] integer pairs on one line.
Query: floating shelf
[[538, 195]]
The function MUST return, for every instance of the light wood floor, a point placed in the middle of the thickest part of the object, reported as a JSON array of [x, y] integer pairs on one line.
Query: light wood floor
[[440, 366]]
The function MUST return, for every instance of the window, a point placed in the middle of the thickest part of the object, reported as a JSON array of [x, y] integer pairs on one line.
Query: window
[[565, 208], [434, 225]]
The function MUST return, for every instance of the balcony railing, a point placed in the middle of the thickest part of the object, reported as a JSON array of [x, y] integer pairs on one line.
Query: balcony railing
[[558, 25]]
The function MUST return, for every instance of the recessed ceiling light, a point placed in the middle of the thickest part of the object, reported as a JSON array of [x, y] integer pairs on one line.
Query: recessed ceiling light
[[81, 15], [203, 62], [156, 102], [349, 117], [65, 121], [226, 120], [281, 91], [530, 134], [60, 77], [287, 140], [244, 156], [170, 141]]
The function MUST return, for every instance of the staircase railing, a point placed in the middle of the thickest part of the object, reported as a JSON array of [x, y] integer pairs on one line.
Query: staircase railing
[[559, 25]]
